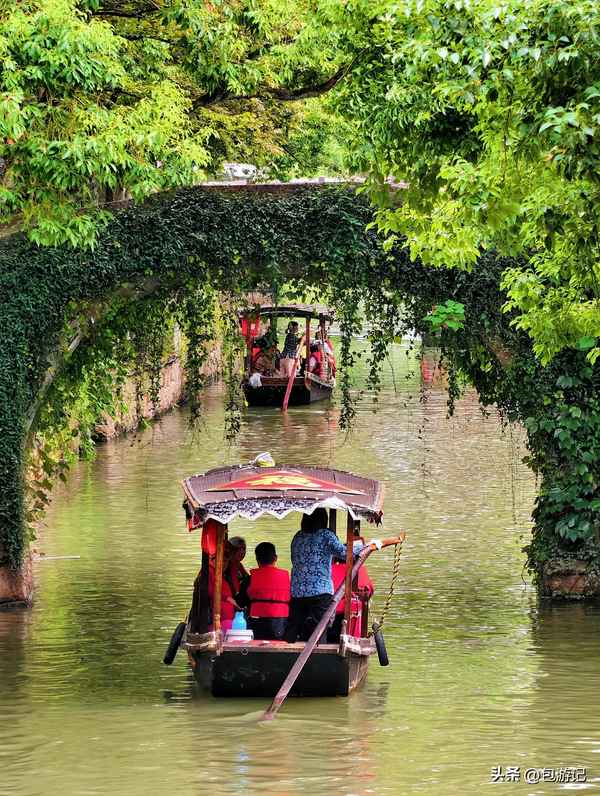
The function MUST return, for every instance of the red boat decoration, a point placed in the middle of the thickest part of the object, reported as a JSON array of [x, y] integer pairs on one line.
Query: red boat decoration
[[283, 480]]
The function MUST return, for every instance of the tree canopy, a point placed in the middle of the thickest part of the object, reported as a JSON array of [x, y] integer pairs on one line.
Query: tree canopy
[[490, 111], [104, 99]]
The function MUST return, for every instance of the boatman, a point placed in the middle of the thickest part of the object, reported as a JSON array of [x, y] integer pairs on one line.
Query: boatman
[[269, 595]]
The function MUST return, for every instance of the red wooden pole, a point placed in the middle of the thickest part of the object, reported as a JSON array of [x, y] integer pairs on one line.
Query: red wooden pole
[[324, 355], [348, 578], [221, 529], [307, 341]]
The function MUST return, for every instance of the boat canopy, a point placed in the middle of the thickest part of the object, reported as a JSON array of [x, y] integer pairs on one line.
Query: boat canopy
[[292, 310], [251, 492]]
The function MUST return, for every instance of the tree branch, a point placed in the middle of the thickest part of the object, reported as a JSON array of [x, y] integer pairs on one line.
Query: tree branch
[[495, 345], [144, 36], [116, 12], [280, 94]]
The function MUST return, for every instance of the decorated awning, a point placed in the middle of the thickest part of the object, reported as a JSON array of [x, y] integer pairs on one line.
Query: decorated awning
[[249, 491]]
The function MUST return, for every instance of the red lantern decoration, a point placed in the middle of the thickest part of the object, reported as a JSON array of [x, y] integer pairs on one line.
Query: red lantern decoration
[[250, 326]]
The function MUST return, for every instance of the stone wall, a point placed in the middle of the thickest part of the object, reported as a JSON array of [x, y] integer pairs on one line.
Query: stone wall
[[569, 579], [172, 393], [16, 588]]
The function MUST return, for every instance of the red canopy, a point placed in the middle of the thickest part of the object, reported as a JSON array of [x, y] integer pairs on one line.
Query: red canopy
[[251, 491]]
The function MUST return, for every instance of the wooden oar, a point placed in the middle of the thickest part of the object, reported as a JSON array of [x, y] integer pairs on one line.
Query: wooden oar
[[320, 629]]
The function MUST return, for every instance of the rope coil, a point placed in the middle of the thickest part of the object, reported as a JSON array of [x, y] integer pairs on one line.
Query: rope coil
[[388, 600]]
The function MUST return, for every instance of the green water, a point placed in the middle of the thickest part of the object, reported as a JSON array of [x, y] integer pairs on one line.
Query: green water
[[481, 674]]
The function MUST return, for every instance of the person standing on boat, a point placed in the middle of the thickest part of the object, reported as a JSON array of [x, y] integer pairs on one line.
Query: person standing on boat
[[269, 595], [323, 343], [287, 362], [322, 338], [313, 549]]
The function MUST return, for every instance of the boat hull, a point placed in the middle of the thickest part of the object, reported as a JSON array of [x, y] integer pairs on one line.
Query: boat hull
[[272, 392], [248, 672]]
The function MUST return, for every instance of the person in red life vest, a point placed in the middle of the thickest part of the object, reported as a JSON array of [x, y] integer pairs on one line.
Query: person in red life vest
[[364, 591], [228, 603], [328, 349], [269, 595], [315, 363]]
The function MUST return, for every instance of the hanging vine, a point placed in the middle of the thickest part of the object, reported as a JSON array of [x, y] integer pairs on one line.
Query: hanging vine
[[163, 261], [197, 319], [348, 314], [384, 316], [233, 357]]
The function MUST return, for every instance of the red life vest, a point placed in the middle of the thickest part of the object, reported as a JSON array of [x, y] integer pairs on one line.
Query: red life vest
[[338, 573], [269, 592]]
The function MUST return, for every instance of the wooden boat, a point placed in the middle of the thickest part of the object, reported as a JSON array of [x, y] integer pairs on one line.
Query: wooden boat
[[258, 668], [306, 387]]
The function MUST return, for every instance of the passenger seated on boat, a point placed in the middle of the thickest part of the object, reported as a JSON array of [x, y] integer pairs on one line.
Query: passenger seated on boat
[[364, 591], [236, 574], [313, 549], [266, 362], [228, 603], [269, 595]]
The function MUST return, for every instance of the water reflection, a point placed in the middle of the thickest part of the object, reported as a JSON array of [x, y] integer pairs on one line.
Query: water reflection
[[480, 674]]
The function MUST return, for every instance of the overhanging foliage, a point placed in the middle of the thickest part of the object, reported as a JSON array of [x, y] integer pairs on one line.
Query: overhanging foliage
[[168, 258]]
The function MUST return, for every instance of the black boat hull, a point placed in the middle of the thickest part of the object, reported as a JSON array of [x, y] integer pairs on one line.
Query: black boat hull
[[273, 394], [246, 673]]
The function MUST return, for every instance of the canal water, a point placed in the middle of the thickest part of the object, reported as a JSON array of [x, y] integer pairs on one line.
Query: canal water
[[482, 675]]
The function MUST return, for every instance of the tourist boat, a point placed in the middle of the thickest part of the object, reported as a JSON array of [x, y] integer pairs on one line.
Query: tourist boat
[[257, 668], [271, 389]]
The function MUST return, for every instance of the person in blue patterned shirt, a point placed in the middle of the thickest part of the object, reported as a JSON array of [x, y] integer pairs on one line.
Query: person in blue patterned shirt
[[313, 548]]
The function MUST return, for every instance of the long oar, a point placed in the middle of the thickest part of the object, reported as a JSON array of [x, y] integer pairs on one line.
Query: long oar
[[320, 628]]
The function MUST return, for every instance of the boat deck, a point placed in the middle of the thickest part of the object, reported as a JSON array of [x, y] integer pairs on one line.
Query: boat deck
[[276, 646], [196, 642]]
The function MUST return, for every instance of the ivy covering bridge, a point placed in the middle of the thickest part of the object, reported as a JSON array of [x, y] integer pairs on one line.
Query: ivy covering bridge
[[72, 317]]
